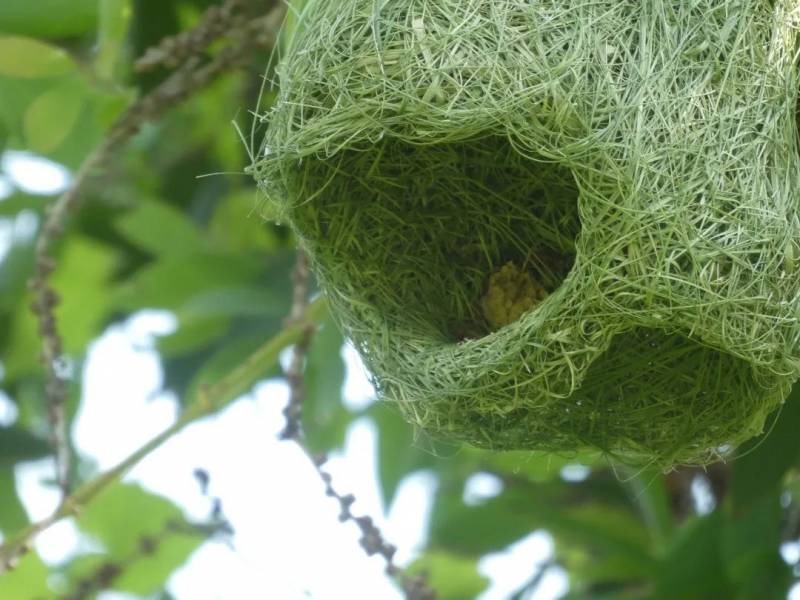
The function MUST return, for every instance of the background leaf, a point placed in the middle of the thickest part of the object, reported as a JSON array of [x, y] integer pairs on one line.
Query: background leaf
[[694, 568], [29, 58], [51, 116], [160, 229], [114, 18], [324, 417], [12, 513], [28, 581], [763, 462], [399, 453], [453, 577], [145, 535], [48, 18]]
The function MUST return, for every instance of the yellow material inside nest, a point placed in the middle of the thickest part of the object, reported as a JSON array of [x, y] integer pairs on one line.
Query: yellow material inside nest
[[511, 292]]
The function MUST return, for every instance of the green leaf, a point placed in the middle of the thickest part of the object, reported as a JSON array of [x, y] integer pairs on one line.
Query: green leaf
[[153, 20], [173, 280], [592, 571], [22, 352], [242, 301], [48, 18], [237, 223], [763, 462], [19, 201], [122, 514], [150, 573], [18, 444], [602, 526], [325, 418], [521, 509], [28, 58], [750, 543], [142, 573], [51, 117], [115, 16], [100, 105], [4, 133], [693, 568], [255, 299], [225, 359], [125, 518], [648, 492], [538, 467], [193, 333], [399, 453], [80, 279], [223, 143], [16, 268], [27, 394], [453, 577], [17, 94], [160, 229], [28, 581], [12, 514]]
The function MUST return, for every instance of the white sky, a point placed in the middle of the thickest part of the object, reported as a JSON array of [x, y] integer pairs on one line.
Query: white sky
[[32, 174], [288, 542], [6, 189]]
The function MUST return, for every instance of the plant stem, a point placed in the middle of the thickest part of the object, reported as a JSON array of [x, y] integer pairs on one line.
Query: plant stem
[[209, 399]]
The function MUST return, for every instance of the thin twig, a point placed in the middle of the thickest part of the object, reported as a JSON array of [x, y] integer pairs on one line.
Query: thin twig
[[372, 540], [415, 587], [300, 279], [215, 22], [208, 400], [294, 373], [530, 587], [192, 76], [105, 574], [44, 303]]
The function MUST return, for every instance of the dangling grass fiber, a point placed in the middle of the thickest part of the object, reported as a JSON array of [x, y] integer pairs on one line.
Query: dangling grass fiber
[[636, 164]]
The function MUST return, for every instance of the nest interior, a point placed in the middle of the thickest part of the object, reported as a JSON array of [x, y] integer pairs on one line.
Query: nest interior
[[415, 231], [632, 164]]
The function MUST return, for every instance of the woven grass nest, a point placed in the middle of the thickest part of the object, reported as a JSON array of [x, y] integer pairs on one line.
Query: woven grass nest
[[553, 225]]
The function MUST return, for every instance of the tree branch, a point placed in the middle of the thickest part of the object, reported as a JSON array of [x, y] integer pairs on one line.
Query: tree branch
[[215, 22]]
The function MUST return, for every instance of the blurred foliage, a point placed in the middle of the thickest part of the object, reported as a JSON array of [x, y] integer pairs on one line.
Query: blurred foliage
[[154, 234]]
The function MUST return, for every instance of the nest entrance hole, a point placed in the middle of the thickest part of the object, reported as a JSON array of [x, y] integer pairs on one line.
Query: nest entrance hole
[[416, 231]]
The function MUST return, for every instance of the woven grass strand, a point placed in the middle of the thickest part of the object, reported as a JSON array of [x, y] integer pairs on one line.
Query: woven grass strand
[[638, 158]]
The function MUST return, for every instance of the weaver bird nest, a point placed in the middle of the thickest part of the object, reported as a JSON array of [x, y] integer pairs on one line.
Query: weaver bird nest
[[556, 224]]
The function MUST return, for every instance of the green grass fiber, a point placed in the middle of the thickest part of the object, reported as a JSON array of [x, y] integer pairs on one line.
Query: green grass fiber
[[638, 158]]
